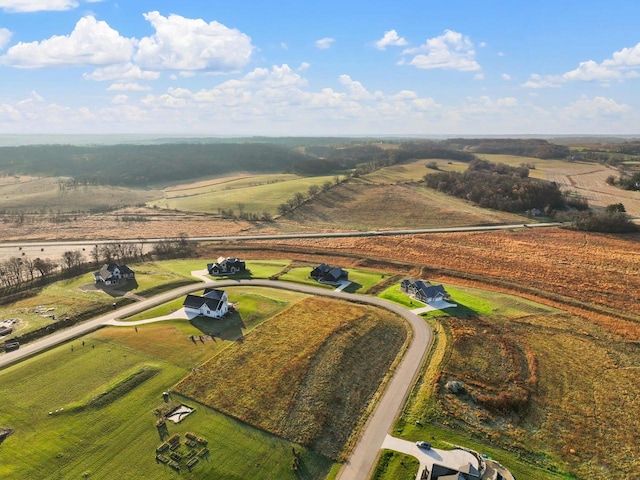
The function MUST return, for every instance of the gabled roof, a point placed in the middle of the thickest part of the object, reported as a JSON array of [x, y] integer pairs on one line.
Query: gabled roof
[[105, 273], [213, 294], [125, 270], [196, 302], [336, 273], [433, 290]]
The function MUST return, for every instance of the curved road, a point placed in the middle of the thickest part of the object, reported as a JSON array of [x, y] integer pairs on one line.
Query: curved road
[[363, 457]]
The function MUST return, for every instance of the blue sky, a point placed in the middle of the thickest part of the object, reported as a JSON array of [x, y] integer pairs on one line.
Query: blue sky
[[305, 67]]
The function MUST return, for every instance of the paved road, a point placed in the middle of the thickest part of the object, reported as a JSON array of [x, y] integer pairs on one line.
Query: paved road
[[362, 460], [370, 233]]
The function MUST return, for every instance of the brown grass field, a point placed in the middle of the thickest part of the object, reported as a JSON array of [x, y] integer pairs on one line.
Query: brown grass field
[[309, 385], [557, 388]]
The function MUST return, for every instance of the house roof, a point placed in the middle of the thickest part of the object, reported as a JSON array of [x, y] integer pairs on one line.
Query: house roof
[[426, 288], [336, 273], [213, 294], [105, 273], [433, 290], [125, 270], [196, 302]]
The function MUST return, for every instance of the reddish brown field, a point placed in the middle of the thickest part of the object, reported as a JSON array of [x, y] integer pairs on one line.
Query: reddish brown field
[[561, 265]]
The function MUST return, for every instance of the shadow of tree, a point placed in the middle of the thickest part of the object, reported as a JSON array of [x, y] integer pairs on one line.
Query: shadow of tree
[[228, 327]]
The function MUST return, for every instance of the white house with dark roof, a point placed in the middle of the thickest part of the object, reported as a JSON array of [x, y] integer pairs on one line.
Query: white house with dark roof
[[423, 291], [213, 303], [112, 273], [226, 266]]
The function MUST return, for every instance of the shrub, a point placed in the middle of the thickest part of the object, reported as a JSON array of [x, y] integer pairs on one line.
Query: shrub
[[606, 221]]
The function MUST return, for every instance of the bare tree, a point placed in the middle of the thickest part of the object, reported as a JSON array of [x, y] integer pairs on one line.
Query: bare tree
[[29, 265], [44, 266], [72, 259], [13, 269]]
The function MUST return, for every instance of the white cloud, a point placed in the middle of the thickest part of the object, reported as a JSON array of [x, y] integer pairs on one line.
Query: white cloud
[[478, 76], [356, 89], [91, 43], [303, 66], [485, 104], [119, 100], [592, 71], [127, 71], [127, 87], [192, 45], [281, 96], [622, 65], [5, 36], [451, 50], [390, 38], [37, 5], [538, 81], [506, 77], [33, 97], [596, 107], [324, 43]]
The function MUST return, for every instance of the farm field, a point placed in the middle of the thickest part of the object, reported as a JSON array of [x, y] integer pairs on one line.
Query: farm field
[[367, 207], [410, 171], [48, 196], [260, 193]]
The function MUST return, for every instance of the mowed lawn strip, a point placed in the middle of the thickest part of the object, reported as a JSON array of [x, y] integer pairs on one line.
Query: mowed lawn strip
[[297, 374]]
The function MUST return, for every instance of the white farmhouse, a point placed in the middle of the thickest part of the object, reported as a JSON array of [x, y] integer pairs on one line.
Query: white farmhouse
[[213, 303]]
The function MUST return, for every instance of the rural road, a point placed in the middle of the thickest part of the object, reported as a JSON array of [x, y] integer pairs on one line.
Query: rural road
[[363, 457], [54, 249]]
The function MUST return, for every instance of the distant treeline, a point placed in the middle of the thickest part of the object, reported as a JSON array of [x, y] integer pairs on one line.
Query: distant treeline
[[528, 147], [140, 165], [353, 155], [133, 165], [498, 186]]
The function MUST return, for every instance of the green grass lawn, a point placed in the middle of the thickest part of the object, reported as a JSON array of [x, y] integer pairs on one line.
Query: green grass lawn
[[363, 280], [301, 275], [395, 466], [472, 301], [118, 440], [183, 268]]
